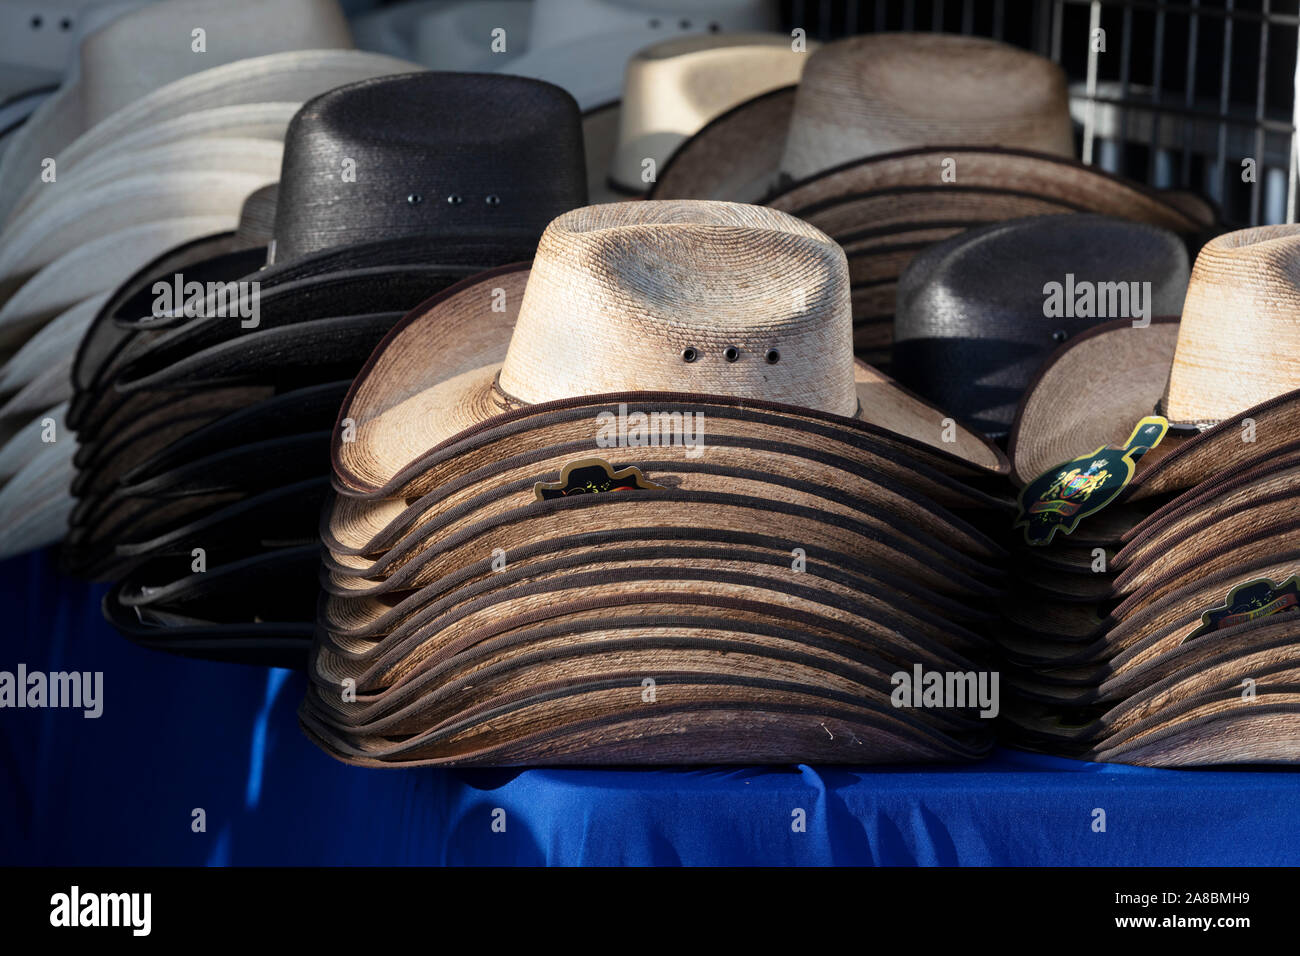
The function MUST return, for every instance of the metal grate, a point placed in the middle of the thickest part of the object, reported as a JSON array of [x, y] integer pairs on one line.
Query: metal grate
[[1196, 94]]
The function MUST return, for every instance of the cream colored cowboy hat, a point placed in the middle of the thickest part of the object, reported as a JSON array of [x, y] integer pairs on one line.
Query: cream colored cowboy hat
[[177, 181], [1234, 356], [34, 503], [584, 45], [624, 297], [130, 57], [92, 267], [672, 89], [876, 94]]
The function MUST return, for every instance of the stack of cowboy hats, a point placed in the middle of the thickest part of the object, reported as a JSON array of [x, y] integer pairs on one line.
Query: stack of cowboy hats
[[204, 433], [890, 142], [174, 118], [1156, 620], [656, 512]]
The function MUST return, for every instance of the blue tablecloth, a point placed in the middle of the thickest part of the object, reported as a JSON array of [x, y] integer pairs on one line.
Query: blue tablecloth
[[178, 735]]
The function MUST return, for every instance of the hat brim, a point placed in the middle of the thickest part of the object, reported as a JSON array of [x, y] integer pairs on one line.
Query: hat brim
[[426, 557], [405, 409], [540, 656], [732, 724], [226, 531], [811, 460], [294, 76], [1093, 390], [108, 341], [122, 205], [1041, 174], [368, 617]]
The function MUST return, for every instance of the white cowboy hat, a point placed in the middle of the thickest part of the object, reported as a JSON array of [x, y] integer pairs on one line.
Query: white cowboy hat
[[295, 76], [34, 505], [27, 443], [119, 205], [79, 187], [94, 266], [145, 49], [583, 45], [54, 346], [44, 373]]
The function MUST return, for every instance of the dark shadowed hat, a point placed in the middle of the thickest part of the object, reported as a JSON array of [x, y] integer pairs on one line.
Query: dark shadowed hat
[[977, 314]]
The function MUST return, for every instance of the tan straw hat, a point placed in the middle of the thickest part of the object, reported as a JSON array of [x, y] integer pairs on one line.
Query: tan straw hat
[[682, 297], [1227, 375], [672, 89], [874, 94]]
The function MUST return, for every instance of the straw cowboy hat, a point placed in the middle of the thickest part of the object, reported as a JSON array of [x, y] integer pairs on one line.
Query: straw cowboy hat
[[875, 94], [216, 256], [1157, 697], [673, 88], [1226, 361], [491, 367], [976, 317]]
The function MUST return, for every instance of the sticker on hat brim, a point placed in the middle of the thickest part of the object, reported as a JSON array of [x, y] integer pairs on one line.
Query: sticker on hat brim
[[1248, 602], [1061, 497], [592, 476]]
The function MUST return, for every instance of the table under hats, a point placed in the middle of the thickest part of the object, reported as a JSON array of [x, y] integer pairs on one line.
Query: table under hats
[[178, 735]]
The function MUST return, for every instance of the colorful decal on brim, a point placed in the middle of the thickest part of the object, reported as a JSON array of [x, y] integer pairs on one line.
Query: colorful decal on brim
[[1250, 602], [592, 476], [1058, 499]]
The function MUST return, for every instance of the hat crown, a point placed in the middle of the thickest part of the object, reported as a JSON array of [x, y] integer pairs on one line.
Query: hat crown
[[685, 296], [883, 92], [452, 154], [674, 88], [1239, 338], [153, 46]]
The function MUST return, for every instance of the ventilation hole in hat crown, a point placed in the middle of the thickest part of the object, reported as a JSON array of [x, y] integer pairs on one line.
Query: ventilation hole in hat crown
[[654, 23], [684, 24], [731, 353], [36, 22], [773, 356], [415, 199], [455, 199], [714, 27], [689, 355], [1059, 335], [493, 200]]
